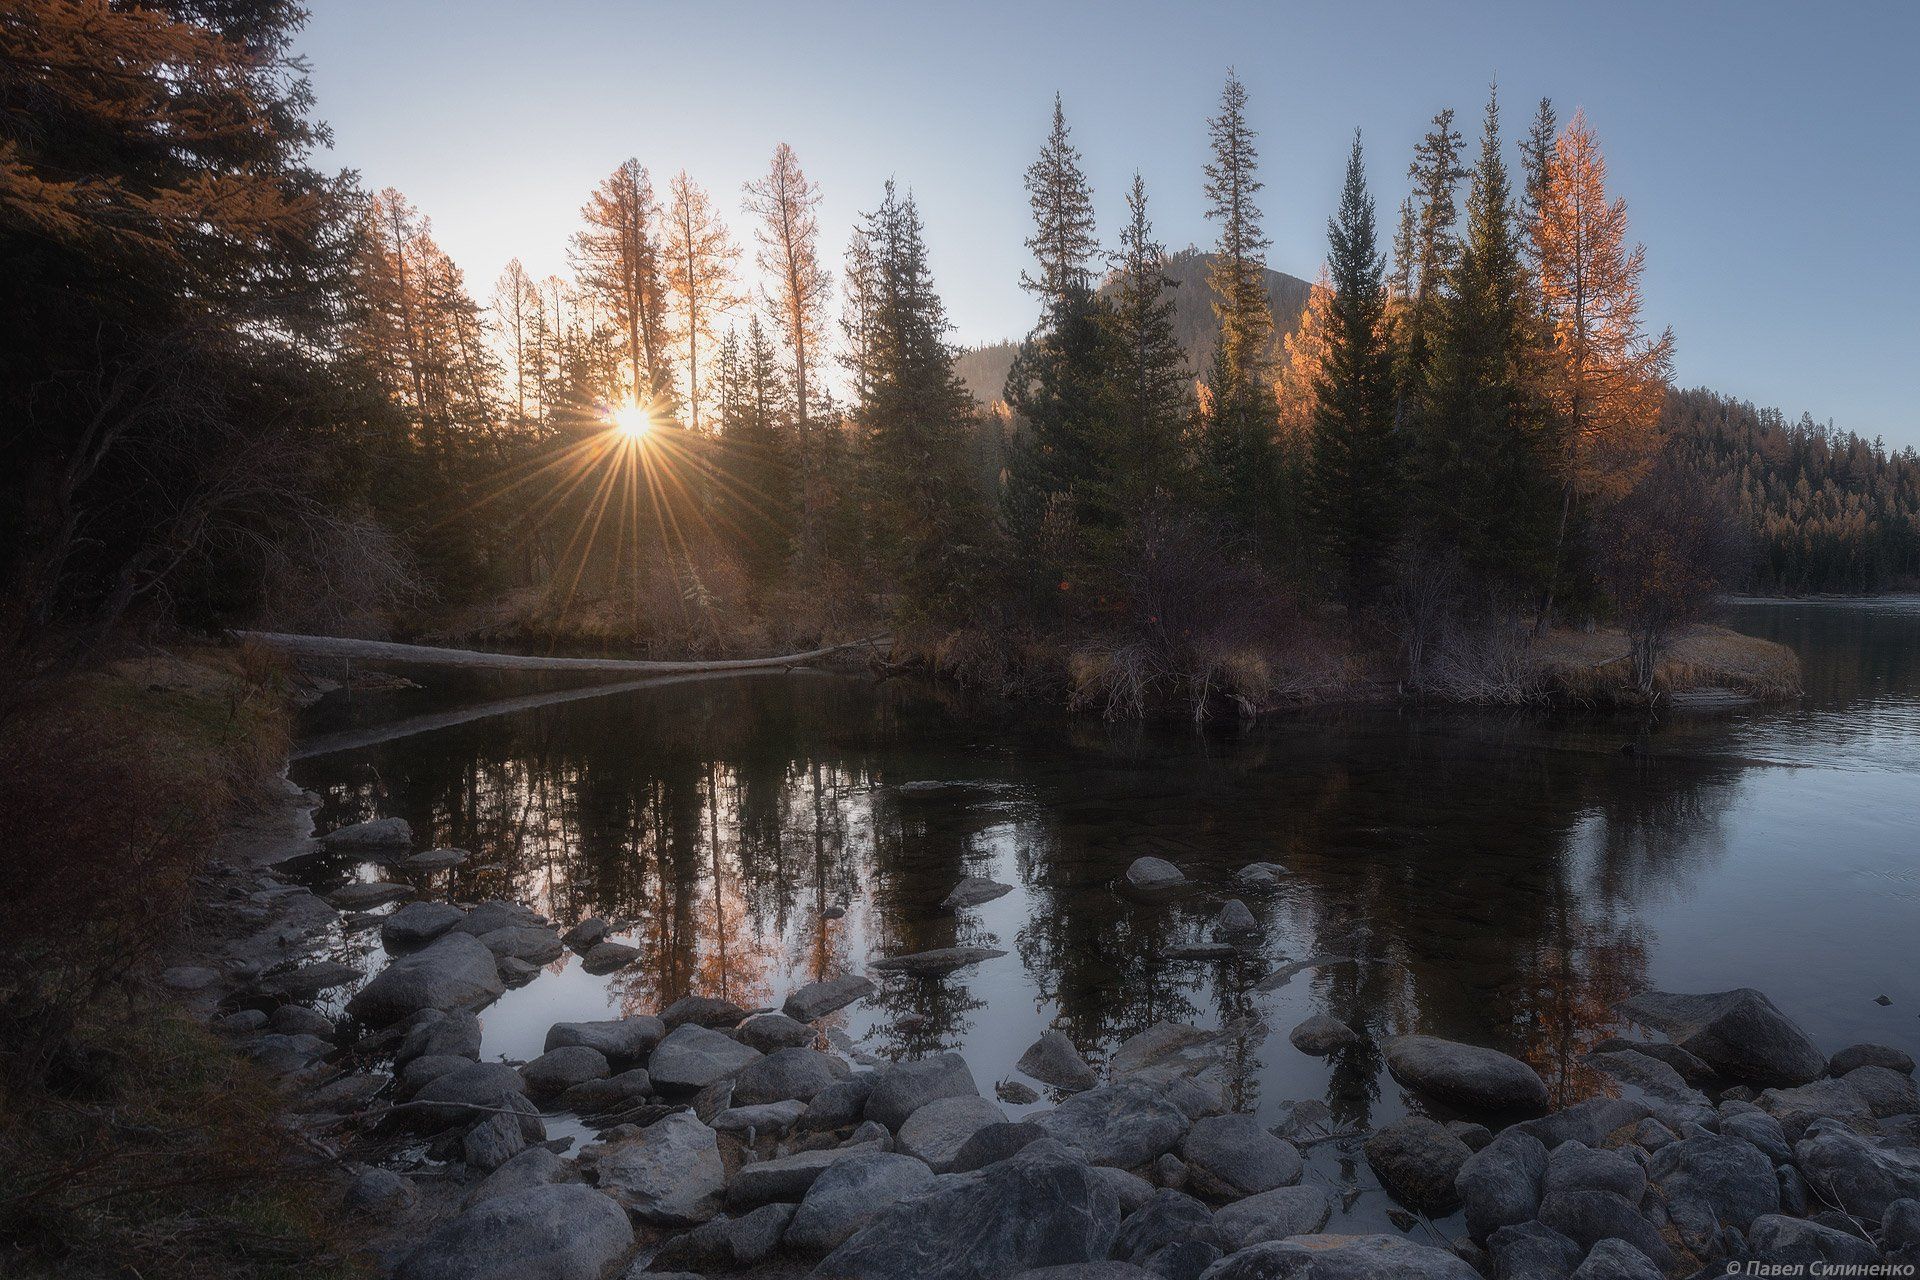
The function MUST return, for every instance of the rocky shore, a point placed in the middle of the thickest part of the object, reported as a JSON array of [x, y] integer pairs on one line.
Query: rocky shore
[[731, 1141]]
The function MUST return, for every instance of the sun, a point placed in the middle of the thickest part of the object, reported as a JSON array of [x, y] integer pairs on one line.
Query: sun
[[632, 421]]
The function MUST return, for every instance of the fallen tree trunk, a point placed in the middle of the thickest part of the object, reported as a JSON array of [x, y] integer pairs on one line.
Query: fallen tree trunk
[[474, 659]]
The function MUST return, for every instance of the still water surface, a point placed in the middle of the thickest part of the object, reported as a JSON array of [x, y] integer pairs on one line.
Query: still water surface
[[1500, 878]]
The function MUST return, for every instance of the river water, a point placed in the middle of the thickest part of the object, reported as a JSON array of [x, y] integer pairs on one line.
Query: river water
[[1503, 878]]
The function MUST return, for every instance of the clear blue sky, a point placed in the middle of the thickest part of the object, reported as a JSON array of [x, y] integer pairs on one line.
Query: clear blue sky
[[1769, 152]]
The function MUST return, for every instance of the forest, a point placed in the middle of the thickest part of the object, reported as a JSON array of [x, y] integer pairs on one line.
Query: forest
[[239, 388]]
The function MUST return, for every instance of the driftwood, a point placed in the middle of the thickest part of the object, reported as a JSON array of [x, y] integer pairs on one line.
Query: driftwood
[[474, 659]]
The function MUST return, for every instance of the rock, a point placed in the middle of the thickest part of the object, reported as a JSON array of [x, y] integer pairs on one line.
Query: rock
[[1501, 1184], [972, 891], [1465, 1075], [839, 1105], [668, 1174], [1417, 1161], [702, 1011], [771, 1032], [1202, 951], [497, 913], [620, 1041], [783, 1075], [693, 1057], [608, 957], [1232, 1156], [434, 1033], [555, 1232], [1657, 1083], [1617, 1260], [380, 1191], [993, 1143], [435, 860], [1015, 1093], [1089, 1271], [1154, 873], [502, 1136], [417, 924], [1040, 1208], [612, 1094], [362, 894], [1052, 1059], [1334, 1257], [420, 1071], [1234, 921], [242, 1022], [1322, 1035], [1886, 1092], [379, 833], [1795, 1242], [284, 1055], [1711, 1181], [938, 961], [461, 1096], [1588, 1122], [453, 972], [1260, 873], [762, 1120], [347, 1095], [535, 1167], [786, 1179], [1900, 1232], [1272, 1215], [531, 943], [818, 999], [903, 1088], [1855, 1056], [1862, 1175], [1759, 1128], [1796, 1109], [1168, 1218], [1122, 1125], [1574, 1166], [725, 1243], [1588, 1217], [1740, 1034], [1529, 1251], [585, 935], [1691, 1069], [298, 1020], [937, 1132], [1474, 1135], [557, 1070], [851, 1191], [1167, 1048], [1130, 1189]]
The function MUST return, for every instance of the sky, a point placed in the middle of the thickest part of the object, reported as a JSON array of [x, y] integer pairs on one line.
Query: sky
[[1769, 152]]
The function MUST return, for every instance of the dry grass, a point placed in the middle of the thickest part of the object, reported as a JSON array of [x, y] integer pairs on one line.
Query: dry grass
[[1592, 668]]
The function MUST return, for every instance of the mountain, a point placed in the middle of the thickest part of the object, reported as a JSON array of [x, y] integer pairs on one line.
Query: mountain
[[984, 369]]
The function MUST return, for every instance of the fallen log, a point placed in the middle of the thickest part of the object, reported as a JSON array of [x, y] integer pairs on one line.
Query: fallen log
[[475, 659]]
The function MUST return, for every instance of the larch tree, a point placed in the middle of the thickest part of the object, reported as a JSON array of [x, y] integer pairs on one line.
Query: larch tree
[[1354, 479], [700, 261], [1608, 378], [516, 312], [617, 261], [1303, 354]]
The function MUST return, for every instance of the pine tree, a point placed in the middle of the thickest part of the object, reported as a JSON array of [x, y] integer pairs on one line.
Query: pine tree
[[1425, 251], [1355, 476], [1150, 370], [1063, 240], [616, 260], [756, 485], [700, 258]]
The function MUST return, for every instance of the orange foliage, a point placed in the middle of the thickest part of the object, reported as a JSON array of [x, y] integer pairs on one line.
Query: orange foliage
[[1304, 354]]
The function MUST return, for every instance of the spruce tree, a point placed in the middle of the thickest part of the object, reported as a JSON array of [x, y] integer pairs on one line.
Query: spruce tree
[[1425, 252], [1354, 477], [1154, 389], [758, 471]]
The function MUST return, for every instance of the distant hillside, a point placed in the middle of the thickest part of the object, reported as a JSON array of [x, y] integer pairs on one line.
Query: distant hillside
[[984, 369]]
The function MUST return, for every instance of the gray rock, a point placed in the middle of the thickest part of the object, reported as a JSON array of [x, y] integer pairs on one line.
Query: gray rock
[[1855, 1056], [783, 1075], [1530, 1251], [427, 1067], [1900, 1232], [1465, 1075], [937, 1131], [497, 913], [839, 1105], [786, 1179], [702, 1011], [1759, 1128], [1234, 921], [1418, 1161], [1474, 1135], [850, 1192], [1322, 1035], [1273, 1215], [1052, 1059], [1886, 1092], [972, 891], [459, 1096], [1501, 1184], [1588, 1217], [284, 1055], [434, 1033], [364, 894], [1651, 1135], [1260, 873], [818, 999], [241, 1022], [583, 936], [1232, 1156], [556, 1232], [1040, 1208], [557, 1070], [1122, 1125], [668, 1174], [533, 944], [1862, 1175], [1574, 1166], [608, 957], [1089, 1271], [1796, 1109], [1335, 1257], [378, 833], [345, 1095], [1740, 1034], [938, 961], [380, 1191], [993, 1143], [693, 1057], [298, 1020], [1588, 1122], [762, 1119], [537, 1166], [1730, 1176], [903, 1088], [502, 1136], [726, 1243], [1780, 1240], [453, 972], [435, 860], [771, 1032], [611, 1094], [417, 924], [1617, 1260], [1154, 873], [1130, 1189], [1169, 1217], [1169, 1048], [1016, 1093], [1657, 1083], [620, 1041]]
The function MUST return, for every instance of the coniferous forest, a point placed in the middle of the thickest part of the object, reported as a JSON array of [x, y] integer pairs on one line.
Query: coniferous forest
[[240, 388]]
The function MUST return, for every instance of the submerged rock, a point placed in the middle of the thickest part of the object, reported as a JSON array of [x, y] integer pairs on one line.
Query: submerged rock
[[938, 961], [1322, 1035], [1154, 873], [377, 833], [555, 1232], [1465, 1075], [1052, 1059], [1738, 1033], [818, 999], [456, 971], [972, 891]]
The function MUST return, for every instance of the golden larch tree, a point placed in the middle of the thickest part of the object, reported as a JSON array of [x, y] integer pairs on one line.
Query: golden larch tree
[[700, 258], [617, 261], [1303, 353]]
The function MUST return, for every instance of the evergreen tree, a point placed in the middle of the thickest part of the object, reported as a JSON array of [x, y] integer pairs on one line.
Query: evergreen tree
[[1354, 477], [757, 481], [1154, 389], [1425, 251], [1063, 240]]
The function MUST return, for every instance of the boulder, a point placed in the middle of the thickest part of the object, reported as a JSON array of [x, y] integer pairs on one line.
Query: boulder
[[434, 1033], [1500, 1185], [458, 1097], [1322, 1035], [1739, 1033], [726, 1243], [1122, 1125], [1260, 873], [378, 833], [1657, 1083], [1617, 1260], [454, 971], [786, 1179], [1232, 1156], [972, 891], [498, 913], [1900, 1232], [620, 1041], [1154, 873], [1589, 1122], [534, 1167], [1090, 1271], [555, 1232], [1886, 1092], [1417, 1160], [417, 924], [941, 960], [903, 1088], [608, 1095], [533, 944], [1691, 1069], [298, 1020], [771, 1032], [1465, 1075], [1529, 1251], [851, 1191], [818, 999], [1794, 1242], [783, 1075], [1234, 921], [1757, 1127], [937, 1132], [702, 1011], [1870, 1055], [1796, 1109], [1334, 1257], [1168, 1217], [1710, 1182], [1862, 1175], [1574, 1166], [993, 1143], [668, 1174], [1042, 1207], [608, 957], [503, 1135], [557, 1070], [1273, 1215], [585, 935], [363, 895], [693, 1057], [1052, 1059], [1588, 1217], [380, 1191], [839, 1105], [760, 1120]]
